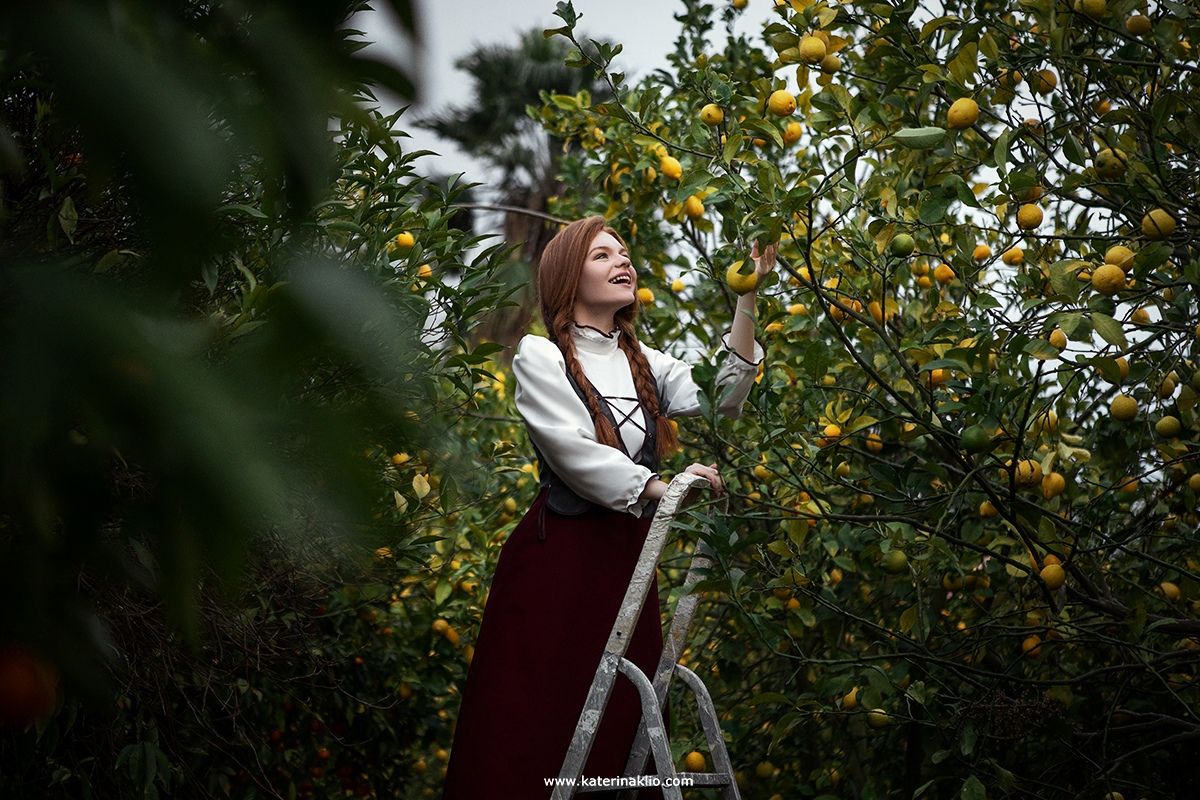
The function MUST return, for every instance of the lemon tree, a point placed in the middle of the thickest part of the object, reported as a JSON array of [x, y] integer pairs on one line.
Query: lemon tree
[[968, 466]]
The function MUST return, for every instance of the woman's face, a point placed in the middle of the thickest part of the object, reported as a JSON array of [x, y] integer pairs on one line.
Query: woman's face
[[606, 262]]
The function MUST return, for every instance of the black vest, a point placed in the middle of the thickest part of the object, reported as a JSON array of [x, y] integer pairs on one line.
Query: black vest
[[562, 499]]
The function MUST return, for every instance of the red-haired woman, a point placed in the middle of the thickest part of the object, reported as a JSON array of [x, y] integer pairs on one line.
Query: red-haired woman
[[596, 403]]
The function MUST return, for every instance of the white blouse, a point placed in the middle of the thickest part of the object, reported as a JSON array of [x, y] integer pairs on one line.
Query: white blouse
[[560, 425]]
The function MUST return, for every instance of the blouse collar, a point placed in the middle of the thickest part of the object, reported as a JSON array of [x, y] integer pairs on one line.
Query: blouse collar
[[595, 340]]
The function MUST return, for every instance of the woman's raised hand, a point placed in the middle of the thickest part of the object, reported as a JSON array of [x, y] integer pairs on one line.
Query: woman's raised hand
[[763, 262]]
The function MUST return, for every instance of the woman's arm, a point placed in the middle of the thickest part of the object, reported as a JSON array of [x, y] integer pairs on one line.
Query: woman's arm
[[742, 337]]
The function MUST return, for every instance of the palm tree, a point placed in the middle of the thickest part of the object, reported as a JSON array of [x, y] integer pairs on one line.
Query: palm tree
[[495, 128]]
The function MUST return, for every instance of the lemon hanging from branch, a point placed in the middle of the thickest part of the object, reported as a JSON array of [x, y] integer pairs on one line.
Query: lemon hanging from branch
[[741, 282]]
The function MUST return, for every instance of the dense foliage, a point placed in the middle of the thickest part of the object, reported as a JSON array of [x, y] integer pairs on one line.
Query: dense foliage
[[966, 555], [255, 478]]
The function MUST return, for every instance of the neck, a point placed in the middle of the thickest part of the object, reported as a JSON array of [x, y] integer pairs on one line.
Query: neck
[[599, 320]]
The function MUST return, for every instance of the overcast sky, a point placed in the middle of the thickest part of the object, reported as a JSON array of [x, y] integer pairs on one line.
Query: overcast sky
[[646, 28]]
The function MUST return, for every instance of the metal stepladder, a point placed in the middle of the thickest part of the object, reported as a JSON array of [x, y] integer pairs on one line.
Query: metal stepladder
[[651, 737]]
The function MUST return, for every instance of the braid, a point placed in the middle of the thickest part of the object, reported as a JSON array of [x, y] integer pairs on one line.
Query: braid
[[668, 441], [604, 429]]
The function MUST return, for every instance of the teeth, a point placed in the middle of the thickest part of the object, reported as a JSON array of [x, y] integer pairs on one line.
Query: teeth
[[620, 280]]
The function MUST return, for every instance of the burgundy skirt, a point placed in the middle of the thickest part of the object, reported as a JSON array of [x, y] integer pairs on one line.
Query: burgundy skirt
[[550, 609]]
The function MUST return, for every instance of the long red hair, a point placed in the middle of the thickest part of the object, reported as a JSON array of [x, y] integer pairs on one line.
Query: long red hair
[[557, 279]]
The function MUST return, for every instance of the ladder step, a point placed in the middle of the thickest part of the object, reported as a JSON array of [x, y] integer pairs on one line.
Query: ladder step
[[698, 779]]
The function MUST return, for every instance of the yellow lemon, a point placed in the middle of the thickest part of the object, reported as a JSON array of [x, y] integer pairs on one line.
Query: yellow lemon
[[712, 114], [1168, 427], [1123, 408], [781, 103], [1032, 646], [791, 134], [693, 207], [1120, 255], [1157, 224], [981, 252], [1110, 163], [739, 282], [1053, 484], [878, 718], [1058, 338], [1013, 256], [944, 273], [1028, 472], [1043, 81], [1108, 279], [830, 64], [1029, 216], [1139, 25], [963, 113], [1009, 78], [812, 50], [1053, 576], [669, 166]]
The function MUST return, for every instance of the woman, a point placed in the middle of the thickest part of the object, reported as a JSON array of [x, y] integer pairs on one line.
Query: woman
[[591, 395]]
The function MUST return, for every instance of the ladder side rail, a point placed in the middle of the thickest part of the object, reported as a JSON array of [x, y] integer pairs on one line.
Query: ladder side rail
[[618, 639], [685, 610], [712, 730]]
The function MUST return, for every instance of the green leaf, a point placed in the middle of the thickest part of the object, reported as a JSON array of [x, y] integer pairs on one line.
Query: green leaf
[[107, 261], [1109, 329], [1062, 277], [962, 191], [249, 211], [987, 46], [929, 28], [68, 218], [919, 138], [1074, 151], [765, 128], [1000, 152], [1042, 349], [934, 208], [732, 145], [985, 301], [1109, 369], [973, 789], [1075, 325], [441, 592]]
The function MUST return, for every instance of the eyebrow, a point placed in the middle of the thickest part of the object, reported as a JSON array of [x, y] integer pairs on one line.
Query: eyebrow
[[606, 248]]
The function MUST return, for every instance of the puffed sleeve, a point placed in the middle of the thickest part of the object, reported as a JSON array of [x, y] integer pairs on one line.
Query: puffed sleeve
[[561, 427], [736, 375]]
